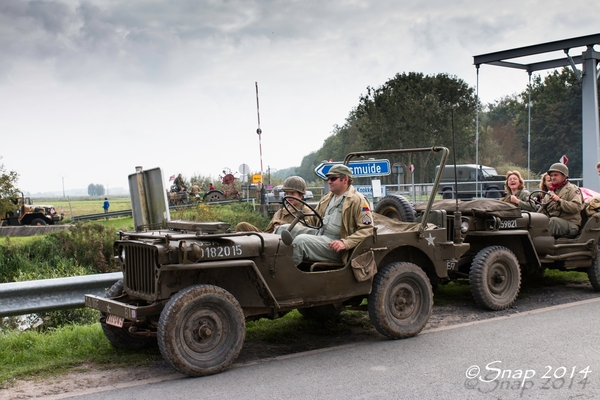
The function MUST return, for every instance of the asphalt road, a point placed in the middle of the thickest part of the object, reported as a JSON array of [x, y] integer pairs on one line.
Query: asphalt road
[[550, 353]]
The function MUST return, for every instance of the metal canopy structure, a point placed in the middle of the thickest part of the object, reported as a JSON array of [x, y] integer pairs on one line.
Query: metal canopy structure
[[588, 79]]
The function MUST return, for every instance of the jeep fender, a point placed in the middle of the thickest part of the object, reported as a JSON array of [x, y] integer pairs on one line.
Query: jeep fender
[[518, 241], [239, 277]]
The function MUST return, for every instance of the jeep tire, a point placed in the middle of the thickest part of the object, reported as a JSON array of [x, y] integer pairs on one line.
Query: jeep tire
[[401, 300], [395, 206], [495, 278], [121, 338], [447, 194], [593, 272], [201, 330]]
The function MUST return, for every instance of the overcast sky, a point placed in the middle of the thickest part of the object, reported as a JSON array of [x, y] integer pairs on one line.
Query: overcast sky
[[91, 89]]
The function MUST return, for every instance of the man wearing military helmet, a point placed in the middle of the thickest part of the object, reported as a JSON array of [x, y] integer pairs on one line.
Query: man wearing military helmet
[[564, 203], [347, 220], [293, 186]]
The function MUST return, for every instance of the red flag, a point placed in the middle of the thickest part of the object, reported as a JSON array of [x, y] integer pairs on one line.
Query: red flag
[[564, 160], [172, 178]]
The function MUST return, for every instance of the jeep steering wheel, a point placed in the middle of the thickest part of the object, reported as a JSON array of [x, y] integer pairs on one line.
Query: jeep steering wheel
[[300, 214], [535, 203]]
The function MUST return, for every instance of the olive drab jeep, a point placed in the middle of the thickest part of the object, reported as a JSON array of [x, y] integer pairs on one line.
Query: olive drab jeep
[[507, 243], [190, 287]]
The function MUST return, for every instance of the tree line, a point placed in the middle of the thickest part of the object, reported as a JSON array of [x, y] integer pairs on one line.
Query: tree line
[[417, 110], [96, 189]]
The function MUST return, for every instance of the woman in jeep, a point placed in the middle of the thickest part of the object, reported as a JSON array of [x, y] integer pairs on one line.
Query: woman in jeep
[[516, 192], [545, 184]]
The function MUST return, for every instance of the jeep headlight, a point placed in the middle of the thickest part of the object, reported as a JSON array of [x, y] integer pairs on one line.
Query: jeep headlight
[[121, 254], [464, 227]]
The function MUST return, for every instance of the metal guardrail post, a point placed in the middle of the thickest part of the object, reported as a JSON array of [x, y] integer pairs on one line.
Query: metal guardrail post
[[19, 298]]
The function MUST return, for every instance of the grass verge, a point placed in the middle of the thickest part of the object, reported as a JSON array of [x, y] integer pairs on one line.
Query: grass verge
[[31, 354]]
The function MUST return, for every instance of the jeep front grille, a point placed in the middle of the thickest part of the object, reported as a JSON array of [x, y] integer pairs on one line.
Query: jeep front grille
[[139, 269]]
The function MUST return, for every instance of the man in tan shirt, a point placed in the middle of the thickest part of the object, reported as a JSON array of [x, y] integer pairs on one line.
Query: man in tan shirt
[[293, 186], [564, 203]]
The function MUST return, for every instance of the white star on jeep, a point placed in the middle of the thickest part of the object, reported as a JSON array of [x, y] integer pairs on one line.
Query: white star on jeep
[[430, 240]]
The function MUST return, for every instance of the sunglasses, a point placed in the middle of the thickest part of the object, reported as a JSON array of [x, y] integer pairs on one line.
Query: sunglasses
[[333, 178]]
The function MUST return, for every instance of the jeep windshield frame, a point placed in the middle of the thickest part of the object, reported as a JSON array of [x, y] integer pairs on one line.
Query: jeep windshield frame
[[438, 176]]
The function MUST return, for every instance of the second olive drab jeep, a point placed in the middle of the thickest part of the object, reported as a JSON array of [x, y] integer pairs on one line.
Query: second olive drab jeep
[[192, 286], [506, 243]]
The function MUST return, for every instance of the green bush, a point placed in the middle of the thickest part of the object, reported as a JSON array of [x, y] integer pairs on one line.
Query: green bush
[[231, 214], [88, 244], [83, 250]]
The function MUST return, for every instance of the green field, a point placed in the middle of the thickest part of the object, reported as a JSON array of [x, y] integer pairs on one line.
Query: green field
[[85, 206]]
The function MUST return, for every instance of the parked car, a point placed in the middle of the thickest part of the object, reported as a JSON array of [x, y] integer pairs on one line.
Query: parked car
[[275, 195], [491, 184]]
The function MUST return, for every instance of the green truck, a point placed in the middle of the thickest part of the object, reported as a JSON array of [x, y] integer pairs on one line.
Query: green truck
[[490, 184]]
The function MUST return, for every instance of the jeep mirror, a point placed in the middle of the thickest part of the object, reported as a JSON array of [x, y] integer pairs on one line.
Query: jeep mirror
[[286, 237]]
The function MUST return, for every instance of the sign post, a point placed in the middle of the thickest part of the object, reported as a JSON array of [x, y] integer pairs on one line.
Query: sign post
[[412, 178], [398, 169]]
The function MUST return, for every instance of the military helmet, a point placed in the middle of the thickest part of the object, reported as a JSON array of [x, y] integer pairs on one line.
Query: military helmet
[[559, 167], [294, 184]]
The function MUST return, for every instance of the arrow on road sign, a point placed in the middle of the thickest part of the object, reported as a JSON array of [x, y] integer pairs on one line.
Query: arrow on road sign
[[359, 168]]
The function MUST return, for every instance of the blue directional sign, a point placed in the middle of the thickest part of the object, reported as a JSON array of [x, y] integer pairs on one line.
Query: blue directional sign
[[359, 168]]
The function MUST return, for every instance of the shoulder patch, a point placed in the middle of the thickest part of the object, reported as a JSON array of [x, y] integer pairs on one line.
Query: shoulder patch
[[367, 220], [365, 207]]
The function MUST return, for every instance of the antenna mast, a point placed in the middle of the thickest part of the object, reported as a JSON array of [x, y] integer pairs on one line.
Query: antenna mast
[[259, 132]]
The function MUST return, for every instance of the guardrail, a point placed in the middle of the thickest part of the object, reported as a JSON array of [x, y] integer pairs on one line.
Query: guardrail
[[102, 215], [19, 298]]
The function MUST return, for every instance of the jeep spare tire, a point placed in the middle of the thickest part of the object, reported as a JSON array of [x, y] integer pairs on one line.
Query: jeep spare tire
[[395, 206]]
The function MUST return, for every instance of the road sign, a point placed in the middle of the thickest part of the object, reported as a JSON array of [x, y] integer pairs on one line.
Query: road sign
[[398, 168], [244, 169], [359, 168]]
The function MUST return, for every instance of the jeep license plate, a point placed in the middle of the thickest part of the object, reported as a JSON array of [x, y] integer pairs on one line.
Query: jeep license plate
[[508, 223], [114, 320]]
